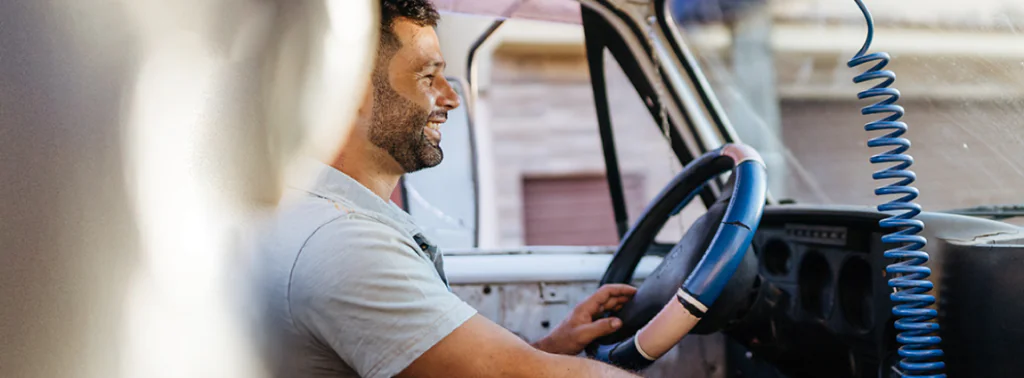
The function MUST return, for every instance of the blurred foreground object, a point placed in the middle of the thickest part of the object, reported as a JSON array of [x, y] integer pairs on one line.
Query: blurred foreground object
[[135, 138]]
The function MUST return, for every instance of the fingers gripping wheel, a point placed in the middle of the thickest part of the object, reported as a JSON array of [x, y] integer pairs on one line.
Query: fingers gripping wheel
[[673, 300]]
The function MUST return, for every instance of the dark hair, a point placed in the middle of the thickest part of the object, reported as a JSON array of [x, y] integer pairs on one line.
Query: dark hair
[[421, 12]]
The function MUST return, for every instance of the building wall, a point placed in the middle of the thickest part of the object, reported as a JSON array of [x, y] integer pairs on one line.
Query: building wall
[[966, 154]]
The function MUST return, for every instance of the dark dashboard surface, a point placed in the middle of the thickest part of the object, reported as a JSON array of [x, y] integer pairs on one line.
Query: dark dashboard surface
[[823, 308]]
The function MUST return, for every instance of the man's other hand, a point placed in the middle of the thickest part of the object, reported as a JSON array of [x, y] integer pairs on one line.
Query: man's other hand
[[580, 329]]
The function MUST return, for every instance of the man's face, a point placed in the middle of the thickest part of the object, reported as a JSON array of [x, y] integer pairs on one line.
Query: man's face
[[411, 99]]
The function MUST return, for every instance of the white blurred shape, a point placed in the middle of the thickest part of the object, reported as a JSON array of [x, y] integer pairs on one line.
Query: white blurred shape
[[137, 139], [228, 94]]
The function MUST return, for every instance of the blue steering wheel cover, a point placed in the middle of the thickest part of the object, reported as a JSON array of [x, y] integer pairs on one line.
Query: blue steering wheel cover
[[686, 201], [729, 245], [604, 353]]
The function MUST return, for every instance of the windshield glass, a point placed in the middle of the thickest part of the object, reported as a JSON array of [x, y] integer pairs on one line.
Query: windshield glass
[[780, 72], [645, 159]]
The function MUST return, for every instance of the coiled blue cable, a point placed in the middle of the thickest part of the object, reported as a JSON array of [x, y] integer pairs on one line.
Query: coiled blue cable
[[920, 351]]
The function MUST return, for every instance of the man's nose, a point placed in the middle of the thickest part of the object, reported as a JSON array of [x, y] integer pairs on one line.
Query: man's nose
[[448, 99]]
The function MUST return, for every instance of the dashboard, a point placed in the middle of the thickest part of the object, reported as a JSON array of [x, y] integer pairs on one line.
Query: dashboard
[[821, 306]]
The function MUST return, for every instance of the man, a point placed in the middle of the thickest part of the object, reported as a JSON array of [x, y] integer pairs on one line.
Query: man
[[354, 288]]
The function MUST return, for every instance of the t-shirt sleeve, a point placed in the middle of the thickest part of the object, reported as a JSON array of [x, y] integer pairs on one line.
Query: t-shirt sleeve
[[360, 288]]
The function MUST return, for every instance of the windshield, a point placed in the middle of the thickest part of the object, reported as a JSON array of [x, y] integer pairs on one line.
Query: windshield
[[780, 72], [565, 11]]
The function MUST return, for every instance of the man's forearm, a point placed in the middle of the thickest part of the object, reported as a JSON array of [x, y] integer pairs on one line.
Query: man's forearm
[[568, 366]]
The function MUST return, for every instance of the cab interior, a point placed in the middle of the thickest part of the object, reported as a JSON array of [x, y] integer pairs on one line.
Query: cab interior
[[811, 297]]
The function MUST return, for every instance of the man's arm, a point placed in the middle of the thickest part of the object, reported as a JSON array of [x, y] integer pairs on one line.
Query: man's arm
[[364, 290], [480, 348]]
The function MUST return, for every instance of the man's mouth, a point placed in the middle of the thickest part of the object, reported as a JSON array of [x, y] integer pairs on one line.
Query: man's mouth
[[433, 131]]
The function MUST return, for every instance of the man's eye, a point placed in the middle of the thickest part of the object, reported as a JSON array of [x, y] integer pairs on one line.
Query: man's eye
[[430, 78]]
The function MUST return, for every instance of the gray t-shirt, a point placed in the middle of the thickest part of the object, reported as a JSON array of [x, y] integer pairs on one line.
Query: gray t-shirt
[[348, 285]]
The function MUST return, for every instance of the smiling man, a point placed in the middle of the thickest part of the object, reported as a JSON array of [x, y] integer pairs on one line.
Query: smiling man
[[352, 287]]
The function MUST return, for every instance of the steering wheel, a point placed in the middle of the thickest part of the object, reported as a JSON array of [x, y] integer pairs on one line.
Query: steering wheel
[[689, 280]]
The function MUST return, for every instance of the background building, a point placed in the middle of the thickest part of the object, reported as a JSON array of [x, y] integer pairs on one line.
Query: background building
[[780, 71]]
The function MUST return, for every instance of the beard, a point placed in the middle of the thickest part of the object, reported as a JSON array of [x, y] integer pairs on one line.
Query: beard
[[397, 127]]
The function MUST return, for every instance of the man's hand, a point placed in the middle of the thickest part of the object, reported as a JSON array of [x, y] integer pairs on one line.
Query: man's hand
[[579, 329]]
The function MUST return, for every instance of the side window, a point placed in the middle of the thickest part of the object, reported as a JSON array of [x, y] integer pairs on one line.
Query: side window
[[549, 165], [549, 169]]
